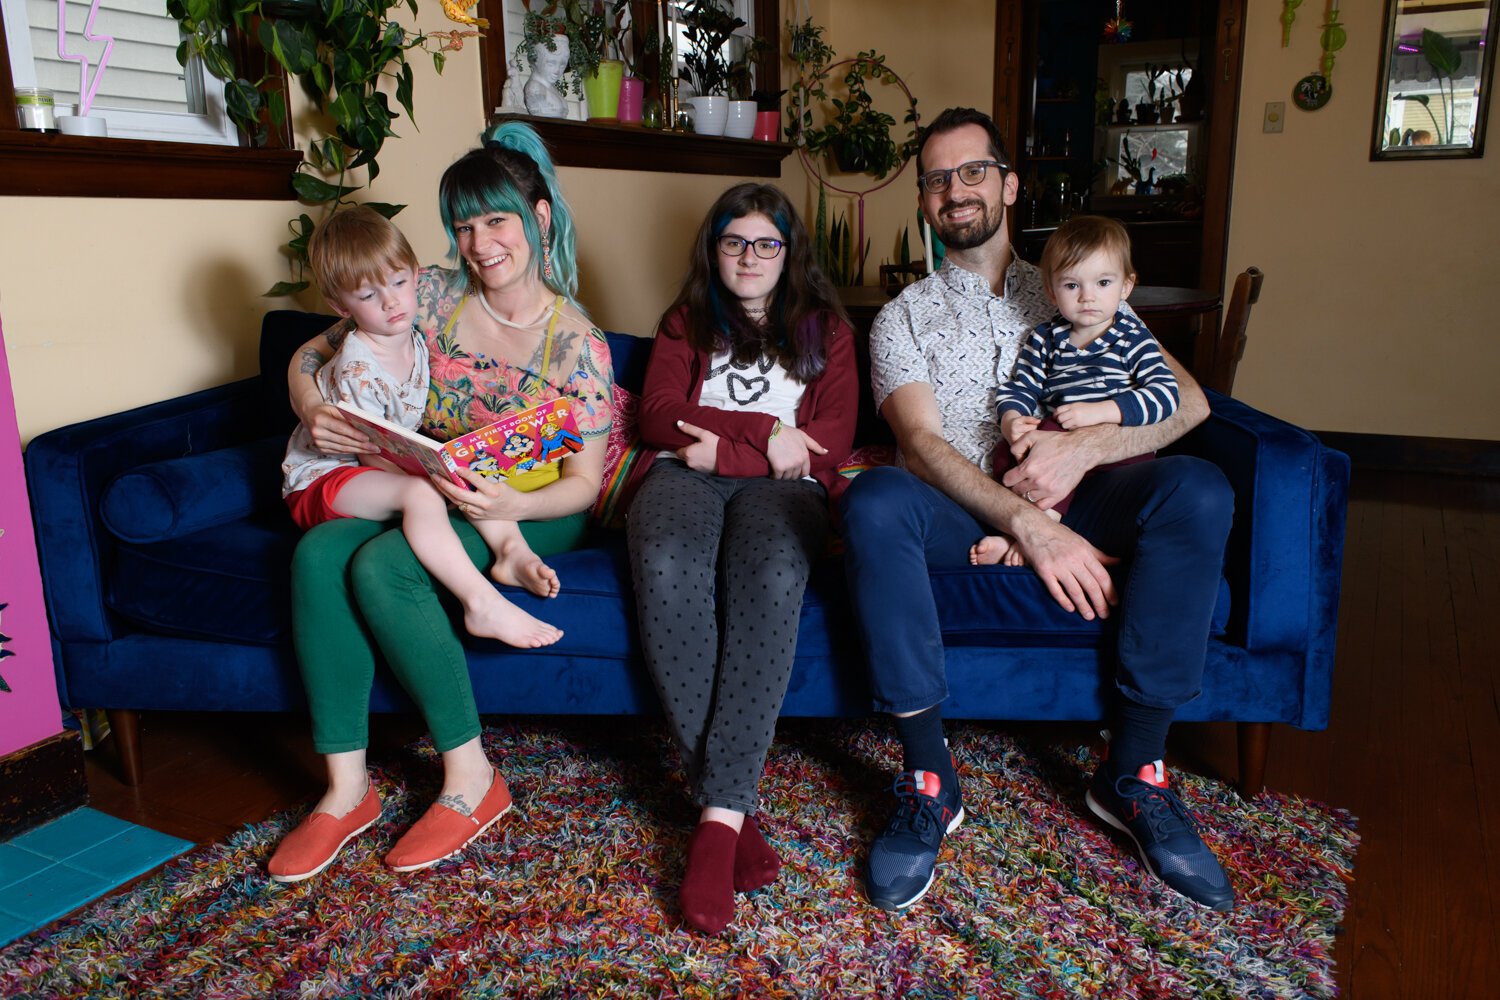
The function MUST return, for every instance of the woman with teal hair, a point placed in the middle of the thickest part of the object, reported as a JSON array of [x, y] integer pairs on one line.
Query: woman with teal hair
[[504, 333]]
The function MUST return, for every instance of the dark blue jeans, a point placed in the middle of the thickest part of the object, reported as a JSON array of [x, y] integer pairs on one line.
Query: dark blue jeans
[[1167, 520]]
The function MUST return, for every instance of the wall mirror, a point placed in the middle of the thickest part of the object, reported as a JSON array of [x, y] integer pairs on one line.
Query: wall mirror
[[1435, 79]]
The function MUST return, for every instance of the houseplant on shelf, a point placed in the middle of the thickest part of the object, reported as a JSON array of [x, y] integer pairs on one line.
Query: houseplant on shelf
[[743, 103], [589, 32], [637, 49], [709, 29], [340, 54]]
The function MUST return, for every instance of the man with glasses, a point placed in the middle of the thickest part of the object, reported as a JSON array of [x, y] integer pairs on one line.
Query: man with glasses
[[935, 353]]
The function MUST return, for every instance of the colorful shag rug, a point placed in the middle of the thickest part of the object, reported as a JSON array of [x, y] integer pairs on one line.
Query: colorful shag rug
[[574, 893]]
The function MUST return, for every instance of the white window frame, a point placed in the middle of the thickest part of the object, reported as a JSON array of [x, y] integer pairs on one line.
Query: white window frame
[[214, 126]]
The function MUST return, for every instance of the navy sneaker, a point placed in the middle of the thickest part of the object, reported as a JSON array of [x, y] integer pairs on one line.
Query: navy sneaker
[[903, 859], [1165, 836]]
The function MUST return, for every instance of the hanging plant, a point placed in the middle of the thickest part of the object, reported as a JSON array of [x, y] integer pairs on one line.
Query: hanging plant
[[340, 53], [856, 134]]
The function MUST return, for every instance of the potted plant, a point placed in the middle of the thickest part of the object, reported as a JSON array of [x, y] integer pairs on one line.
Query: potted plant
[[596, 35], [767, 114], [1192, 90], [1128, 162], [857, 134], [636, 50], [343, 57], [547, 51], [588, 32], [1147, 111], [1169, 97], [709, 29], [743, 108]]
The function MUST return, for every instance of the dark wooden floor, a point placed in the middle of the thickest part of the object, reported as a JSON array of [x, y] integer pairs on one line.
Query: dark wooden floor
[[1413, 749]]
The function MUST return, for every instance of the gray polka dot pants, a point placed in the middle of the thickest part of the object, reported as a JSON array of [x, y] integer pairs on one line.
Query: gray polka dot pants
[[719, 567]]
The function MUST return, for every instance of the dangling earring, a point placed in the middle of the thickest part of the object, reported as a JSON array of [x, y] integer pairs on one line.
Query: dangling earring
[[469, 277], [546, 256]]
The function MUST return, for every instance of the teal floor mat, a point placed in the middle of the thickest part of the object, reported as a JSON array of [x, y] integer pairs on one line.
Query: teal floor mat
[[57, 867]]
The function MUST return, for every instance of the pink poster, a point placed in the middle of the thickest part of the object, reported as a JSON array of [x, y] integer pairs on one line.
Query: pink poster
[[28, 691]]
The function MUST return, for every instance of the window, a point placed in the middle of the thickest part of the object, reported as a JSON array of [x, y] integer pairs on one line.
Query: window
[[1153, 151], [630, 147], [139, 89], [734, 49], [201, 160]]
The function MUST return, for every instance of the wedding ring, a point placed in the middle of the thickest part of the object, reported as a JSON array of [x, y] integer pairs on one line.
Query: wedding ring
[[1028, 497], [469, 510]]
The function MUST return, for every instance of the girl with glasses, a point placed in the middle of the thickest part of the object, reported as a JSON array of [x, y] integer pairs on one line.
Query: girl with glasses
[[751, 393]]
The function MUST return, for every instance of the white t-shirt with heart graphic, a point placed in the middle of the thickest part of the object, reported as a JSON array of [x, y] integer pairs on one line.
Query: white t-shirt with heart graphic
[[761, 386]]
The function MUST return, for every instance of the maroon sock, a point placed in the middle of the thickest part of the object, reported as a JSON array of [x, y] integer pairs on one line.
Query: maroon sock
[[756, 863], [707, 893]]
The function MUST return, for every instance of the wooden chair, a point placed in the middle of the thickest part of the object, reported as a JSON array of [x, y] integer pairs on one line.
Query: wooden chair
[[1229, 348], [894, 277]]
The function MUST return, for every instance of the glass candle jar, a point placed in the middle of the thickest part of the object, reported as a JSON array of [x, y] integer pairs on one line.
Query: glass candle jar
[[35, 109]]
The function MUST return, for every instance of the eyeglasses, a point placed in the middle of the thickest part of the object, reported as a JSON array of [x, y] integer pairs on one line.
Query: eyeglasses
[[734, 246], [971, 173]]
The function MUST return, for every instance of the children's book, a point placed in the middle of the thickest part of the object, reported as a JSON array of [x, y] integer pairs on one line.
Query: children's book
[[513, 444]]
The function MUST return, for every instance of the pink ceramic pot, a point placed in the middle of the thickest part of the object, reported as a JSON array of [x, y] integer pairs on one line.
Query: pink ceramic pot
[[767, 126], [632, 93]]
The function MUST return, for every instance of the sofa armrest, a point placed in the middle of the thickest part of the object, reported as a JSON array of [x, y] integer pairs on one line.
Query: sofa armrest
[[1285, 554], [68, 469]]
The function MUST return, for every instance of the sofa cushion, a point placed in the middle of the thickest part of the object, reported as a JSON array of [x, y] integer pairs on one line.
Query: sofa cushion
[[1009, 606], [227, 583], [626, 462], [183, 496]]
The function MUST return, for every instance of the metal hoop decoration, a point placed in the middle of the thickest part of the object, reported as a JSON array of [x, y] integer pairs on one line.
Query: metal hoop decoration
[[859, 196]]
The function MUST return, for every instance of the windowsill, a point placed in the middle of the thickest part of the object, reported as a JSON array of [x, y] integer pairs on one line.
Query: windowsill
[[612, 146], [59, 165]]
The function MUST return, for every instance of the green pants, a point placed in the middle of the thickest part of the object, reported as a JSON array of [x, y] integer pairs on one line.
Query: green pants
[[358, 592]]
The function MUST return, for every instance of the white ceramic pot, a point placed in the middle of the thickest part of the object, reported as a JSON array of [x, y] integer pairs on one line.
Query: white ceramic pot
[[740, 124], [710, 114], [82, 125]]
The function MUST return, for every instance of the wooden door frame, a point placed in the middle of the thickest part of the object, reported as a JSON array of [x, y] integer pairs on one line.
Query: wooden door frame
[[1012, 101]]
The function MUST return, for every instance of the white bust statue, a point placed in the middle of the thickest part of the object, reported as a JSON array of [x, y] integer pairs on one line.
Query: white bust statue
[[542, 96], [512, 100]]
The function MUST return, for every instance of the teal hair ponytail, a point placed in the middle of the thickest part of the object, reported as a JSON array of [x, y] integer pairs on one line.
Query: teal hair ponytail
[[510, 173]]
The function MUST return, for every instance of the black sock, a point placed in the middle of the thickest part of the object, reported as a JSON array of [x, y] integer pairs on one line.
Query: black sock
[[1139, 736], [923, 746]]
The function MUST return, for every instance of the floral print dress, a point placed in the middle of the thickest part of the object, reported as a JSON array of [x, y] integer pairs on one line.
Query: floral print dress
[[468, 389]]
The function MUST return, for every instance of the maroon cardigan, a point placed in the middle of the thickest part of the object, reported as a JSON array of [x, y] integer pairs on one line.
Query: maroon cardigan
[[829, 407]]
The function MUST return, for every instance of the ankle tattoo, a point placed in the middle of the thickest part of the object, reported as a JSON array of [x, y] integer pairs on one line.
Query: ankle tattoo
[[456, 803]]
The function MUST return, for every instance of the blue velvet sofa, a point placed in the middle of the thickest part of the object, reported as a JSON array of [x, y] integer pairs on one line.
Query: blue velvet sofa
[[165, 549]]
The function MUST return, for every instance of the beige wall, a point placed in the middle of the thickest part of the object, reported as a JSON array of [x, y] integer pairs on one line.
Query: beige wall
[[139, 300], [946, 58], [1371, 318], [111, 303]]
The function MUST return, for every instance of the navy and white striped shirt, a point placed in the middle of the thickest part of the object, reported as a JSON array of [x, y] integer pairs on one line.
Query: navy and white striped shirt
[[1123, 364]]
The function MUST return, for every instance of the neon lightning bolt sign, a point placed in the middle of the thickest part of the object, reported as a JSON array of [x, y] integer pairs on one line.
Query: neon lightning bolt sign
[[86, 91]]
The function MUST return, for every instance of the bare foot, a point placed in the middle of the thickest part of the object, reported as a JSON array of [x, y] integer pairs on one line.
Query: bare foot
[[518, 566], [989, 550], [500, 619]]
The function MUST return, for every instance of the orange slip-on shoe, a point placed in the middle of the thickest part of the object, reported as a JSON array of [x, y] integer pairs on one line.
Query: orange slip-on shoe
[[317, 840], [443, 832]]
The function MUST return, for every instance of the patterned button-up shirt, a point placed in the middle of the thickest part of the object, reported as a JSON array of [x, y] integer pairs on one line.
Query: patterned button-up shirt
[[950, 331]]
